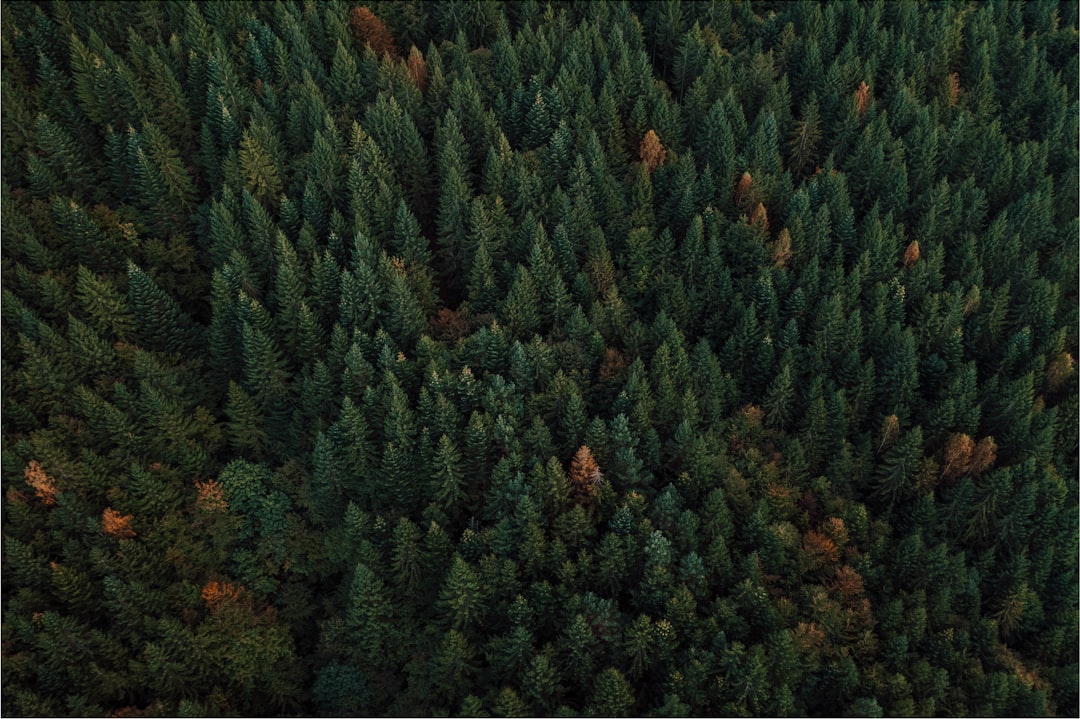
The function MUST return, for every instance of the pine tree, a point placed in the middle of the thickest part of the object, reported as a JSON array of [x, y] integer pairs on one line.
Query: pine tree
[[162, 324], [371, 31], [260, 175], [612, 694], [460, 598]]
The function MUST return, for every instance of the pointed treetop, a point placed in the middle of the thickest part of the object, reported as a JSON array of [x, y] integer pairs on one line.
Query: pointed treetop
[[862, 98], [911, 254], [651, 151], [585, 474], [745, 182], [371, 31], [417, 68]]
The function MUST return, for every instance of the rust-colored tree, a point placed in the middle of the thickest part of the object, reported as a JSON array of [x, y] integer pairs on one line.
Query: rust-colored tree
[[983, 456], [1059, 371], [614, 365], [956, 457], [42, 484], [449, 325], [862, 98], [760, 217], [217, 594], [651, 150], [117, 525], [417, 68], [742, 189], [953, 88], [810, 639], [818, 551], [782, 249], [835, 529], [847, 583], [584, 475], [371, 31], [209, 497], [911, 254]]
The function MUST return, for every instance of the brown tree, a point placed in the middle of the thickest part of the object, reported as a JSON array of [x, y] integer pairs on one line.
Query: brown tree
[[984, 456], [760, 217], [782, 249], [369, 30], [210, 498], [953, 88], [862, 98], [911, 254], [1060, 370], [742, 189], [417, 68], [42, 484], [584, 474], [847, 583], [956, 459], [117, 525], [651, 151], [835, 529], [613, 366], [216, 594], [818, 550]]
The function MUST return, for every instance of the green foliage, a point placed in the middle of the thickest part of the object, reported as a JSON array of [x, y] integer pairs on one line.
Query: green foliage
[[339, 383]]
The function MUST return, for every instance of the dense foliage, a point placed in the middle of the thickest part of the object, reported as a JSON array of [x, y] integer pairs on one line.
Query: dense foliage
[[599, 358]]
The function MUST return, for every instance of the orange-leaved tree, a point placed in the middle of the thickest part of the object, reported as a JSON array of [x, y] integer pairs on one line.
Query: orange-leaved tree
[[43, 484], [210, 497], [760, 217], [117, 525], [782, 249], [371, 31], [216, 594], [983, 456], [911, 254], [585, 476], [651, 150], [742, 189], [956, 458], [862, 98], [417, 68]]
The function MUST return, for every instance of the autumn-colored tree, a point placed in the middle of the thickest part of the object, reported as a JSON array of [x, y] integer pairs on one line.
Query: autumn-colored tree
[[809, 638], [953, 88], [862, 98], [448, 325], [742, 189], [818, 550], [613, 366], [847, 582], [782, 248], [117, 525], [1061, 368], [585, 474], [651, 151], [983, 456], [217, 594], [210, 498], [42, 484], [890, 430], [956, 460], [418, 70], [835, 529], [911, 254], [371, 31], [760, 217]]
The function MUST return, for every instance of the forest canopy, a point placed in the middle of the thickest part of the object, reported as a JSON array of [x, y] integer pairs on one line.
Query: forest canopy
[[569, 358]]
